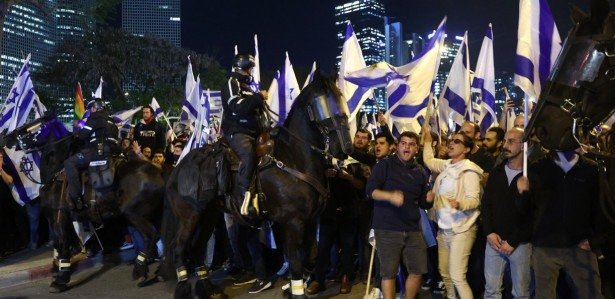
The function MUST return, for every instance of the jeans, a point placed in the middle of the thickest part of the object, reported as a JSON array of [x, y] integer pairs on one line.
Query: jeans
[[579, 264], [34, 216], [343, 230], [519, 262], [137, 239], [453, 254]]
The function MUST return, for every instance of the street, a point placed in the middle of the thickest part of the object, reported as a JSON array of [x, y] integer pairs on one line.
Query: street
[[113, 279]]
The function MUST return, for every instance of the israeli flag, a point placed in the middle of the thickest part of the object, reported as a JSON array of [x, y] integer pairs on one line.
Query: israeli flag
[[352, 60], [213, 112], [158, 113], [125, 116], [484, 83], [409, 86], [196, 139], [455, 97], [310, 77], [19, 101], [538, 45], [189, 109], [98, 93], [287, 91], [39, 108], [256, 71], [26, 166]]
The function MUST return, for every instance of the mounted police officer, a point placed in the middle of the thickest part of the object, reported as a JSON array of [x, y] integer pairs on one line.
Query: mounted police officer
[[100, 136], [242, 123]]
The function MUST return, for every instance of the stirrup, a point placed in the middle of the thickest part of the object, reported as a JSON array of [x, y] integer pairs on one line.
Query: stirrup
[[245, 204]]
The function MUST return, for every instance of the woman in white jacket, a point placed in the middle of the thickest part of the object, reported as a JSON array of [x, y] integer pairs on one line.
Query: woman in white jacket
[[457, 193]]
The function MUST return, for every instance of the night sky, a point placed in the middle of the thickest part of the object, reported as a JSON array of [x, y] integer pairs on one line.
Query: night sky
[[306, 28]]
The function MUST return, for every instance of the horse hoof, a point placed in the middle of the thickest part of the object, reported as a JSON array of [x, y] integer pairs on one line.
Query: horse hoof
[[57, 288], [183, 290], [141, 282]]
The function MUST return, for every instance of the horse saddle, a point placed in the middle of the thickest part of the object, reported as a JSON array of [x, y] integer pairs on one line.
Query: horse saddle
[[102, 171]]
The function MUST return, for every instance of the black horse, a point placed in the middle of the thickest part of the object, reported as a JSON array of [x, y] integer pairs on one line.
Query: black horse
[[579, 92], [291, 177], [137, 193]]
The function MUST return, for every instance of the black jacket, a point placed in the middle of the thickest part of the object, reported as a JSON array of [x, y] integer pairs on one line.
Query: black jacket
[[504, 211], [242, 107], [99, 127], [150, 135], [566, 205]]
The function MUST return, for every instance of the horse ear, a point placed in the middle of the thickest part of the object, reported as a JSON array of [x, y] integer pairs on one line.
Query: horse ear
[[577, 15], [600, 10]]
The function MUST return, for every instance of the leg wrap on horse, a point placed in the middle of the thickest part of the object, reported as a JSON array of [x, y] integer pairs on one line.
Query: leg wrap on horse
[[202, 272], [296, 287], [64, 264], [182, 274], [141, 258]]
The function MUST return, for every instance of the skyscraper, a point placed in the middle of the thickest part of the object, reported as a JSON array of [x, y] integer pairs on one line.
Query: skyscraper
[[155, 18], [396, 49], [27, 29], [367, 19]]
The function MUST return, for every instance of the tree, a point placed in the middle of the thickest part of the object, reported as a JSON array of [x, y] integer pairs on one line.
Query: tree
[[5, 6], [134, 69]]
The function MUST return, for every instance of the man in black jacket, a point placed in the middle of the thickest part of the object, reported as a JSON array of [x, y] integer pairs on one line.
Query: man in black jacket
[[568, 223], [100, 136], [148, 132], [507, 223], [241, 123]]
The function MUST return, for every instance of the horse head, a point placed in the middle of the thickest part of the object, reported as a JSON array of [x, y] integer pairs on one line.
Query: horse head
[[47, 135], [579, 93], [328, 113]]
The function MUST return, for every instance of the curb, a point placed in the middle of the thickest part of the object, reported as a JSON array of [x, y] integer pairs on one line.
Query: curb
[[39, 272]]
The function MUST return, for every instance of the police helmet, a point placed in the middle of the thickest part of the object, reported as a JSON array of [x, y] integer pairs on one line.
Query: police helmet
[[97, 104], [244, 61]]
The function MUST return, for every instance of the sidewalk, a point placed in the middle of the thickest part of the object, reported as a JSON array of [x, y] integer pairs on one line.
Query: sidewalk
[[29, 265]]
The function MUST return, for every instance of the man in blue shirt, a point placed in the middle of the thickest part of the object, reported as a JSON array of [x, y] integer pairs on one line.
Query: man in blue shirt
[[398, 186]]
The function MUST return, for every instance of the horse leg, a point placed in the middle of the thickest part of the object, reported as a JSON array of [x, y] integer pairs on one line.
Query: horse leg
[[185, 231], [62, 228], [203, 287], [293, 239], [148, 232]]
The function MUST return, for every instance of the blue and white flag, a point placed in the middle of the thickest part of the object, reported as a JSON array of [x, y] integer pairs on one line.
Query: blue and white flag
[[408, 87], [213, 112], [125, 116], [26, 166], [484, 83], [39, 108], [19, 101], [197, 137], [352, 60], [538, 45], [158, 113], [310, 77], [189, 109], [455, 98], [98, 93], [256, 71], [287, 91]]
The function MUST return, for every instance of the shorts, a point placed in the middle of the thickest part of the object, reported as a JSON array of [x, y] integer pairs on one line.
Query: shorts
[[395, 246]]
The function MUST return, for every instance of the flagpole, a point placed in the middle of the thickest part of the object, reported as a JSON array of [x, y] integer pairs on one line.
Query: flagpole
[[526, 100]]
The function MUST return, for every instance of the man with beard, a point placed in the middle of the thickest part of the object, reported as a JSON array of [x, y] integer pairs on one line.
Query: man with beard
[[341, 218], [478, 154], [493, 143], [507, 223], [148, 132], [398, 186]]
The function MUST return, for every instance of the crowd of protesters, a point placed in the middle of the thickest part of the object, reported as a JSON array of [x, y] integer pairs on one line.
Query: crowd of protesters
[[448, 215]]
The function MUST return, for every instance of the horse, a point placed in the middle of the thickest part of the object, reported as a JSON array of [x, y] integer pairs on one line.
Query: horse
[[579, 91], [291, 177], [136, 193], [577, 103]]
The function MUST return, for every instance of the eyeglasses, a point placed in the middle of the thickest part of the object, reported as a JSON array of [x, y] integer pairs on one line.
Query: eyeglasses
[[457, 141]]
